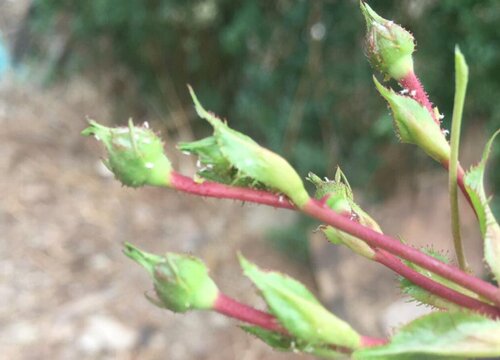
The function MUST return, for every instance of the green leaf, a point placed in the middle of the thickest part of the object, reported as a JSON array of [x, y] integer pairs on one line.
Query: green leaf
[[299, 311], [441, 334], [253, 160], [490, 230], [287, 343]]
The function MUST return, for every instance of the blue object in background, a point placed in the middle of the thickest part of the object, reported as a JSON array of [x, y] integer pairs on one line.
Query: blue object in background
[[4, 57]]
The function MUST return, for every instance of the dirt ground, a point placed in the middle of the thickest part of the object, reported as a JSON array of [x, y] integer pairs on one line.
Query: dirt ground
[[67, 291]]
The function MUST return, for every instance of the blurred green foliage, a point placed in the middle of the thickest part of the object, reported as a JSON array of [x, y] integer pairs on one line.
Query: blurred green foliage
[[289, 73]]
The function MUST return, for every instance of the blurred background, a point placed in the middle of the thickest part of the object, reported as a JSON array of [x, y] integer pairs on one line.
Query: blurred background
[[291, 74]]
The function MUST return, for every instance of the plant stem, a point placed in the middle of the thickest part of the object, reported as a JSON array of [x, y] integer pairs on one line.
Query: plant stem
[[319, 211], [221, 191], [460, 183], [233, 308], [434, 287], [417, 91], [377, 240], [461, 77], [367, 341]]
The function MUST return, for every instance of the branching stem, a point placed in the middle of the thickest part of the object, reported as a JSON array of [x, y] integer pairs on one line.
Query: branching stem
[[377, 240], [319, 211]]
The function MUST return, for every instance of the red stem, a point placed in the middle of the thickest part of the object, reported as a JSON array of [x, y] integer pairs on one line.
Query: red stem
[[318, 210], [367, 342], [221, 191], [394, 246], [230, 307], [416, 90], [436, 288]]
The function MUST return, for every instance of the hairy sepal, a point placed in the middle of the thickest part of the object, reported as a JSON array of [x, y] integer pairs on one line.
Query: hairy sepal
[[299, 311], [253, 160]]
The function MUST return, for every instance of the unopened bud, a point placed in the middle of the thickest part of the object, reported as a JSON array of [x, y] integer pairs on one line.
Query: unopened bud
[[389, 46], [339, 197], [181, 282], [135, 154], [253, 160]]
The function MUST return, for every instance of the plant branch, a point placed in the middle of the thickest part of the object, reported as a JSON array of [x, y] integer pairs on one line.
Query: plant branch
[[222, 191], [414, 87], [317, 210], [461, 77], [377, 240]]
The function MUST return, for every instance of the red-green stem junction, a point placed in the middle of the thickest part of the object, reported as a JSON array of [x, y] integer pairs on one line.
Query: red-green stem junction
[[233, 308], [317, 210]]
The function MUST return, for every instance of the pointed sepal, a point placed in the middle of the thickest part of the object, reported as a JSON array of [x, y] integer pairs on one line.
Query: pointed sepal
[[414, 124], [298, 311], [254, 161]]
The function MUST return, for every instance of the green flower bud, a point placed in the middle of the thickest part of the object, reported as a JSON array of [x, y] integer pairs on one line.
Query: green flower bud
[[415, 125], [253, 160], [339, 197], [389, 46], [299, 311], [181, 282], [135, 154]]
